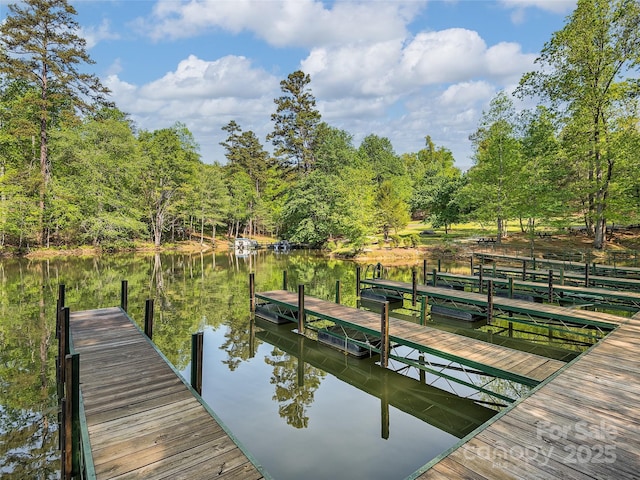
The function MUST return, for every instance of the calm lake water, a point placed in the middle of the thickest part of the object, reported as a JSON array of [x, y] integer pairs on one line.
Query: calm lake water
[[302, 409]]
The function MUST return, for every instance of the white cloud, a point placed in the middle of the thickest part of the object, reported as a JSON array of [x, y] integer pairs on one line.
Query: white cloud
[[94, 35], [281, 23], [203, 95], [520, 7]]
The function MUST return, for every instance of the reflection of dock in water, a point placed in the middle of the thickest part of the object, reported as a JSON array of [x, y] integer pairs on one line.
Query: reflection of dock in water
[[445, 411]]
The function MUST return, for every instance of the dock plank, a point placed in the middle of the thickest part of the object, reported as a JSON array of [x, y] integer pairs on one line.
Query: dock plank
[[142, 419]]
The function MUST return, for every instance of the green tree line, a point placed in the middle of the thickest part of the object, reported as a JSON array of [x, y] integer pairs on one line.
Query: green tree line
[[74, 169]]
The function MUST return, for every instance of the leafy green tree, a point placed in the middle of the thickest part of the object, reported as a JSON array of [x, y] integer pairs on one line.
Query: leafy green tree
[[393, 210], [38, 44], [169, 161], [295, 123], [497, 161], [247, 158], [544, 191], [432, 170], [336, 200], [96, 193], [586, 76]]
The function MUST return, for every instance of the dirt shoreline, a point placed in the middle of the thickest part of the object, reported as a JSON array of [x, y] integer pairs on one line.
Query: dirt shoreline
[[459, 249]]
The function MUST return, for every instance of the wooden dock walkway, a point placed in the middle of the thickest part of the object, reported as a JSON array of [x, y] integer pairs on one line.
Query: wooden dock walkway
[[504, 362], [143, 420], [537, 262], [508, 305], [600, 296], [582, 423]]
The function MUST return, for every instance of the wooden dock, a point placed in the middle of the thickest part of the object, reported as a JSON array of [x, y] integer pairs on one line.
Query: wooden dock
[[543, 289], [582, 423], [507, 305], [143, 419], [501, 361], [535, 263]]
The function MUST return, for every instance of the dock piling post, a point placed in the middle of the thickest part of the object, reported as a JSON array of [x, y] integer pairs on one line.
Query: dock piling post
[[524, 270], [71, 417], [435, 277], [358, 282], [471, 264], [124, 295], [148, 318], [424, 271], [586, 274], [510, 287], [480, 279], [423, 309], [301, 309], [338, 292], [550, 286], [489, 301], [414, 287], [252, 292], [439, 264], [284, 279], [384, 335], [59, 306], [197, 344]]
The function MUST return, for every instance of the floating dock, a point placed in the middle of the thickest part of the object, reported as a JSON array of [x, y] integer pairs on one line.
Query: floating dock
[[544, 290], [142, 419], [534, 312], [535, 263], [582, 423], [503, 362]]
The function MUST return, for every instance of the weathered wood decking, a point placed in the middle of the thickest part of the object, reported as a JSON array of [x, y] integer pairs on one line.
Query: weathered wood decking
[[582, 423], [143, 420], [506, 362]]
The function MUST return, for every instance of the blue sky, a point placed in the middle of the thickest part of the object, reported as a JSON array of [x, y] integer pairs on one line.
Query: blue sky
[[397, 69]]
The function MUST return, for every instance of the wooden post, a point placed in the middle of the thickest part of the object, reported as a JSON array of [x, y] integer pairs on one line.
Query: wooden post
[[480, 279], [421, 372], [148, 318], [510, 329], [471, 263], [489, 301], [59, 306], [434, 281], [197, 345], [358, 282], [124, 294], [439, 264], [301, 316], [510, 287], [384, 335], [414, 287], [338, 292], [252, 292], [562, 276], [284, 279], [586, 274], [524, 270], [71, 417], [423, 309], [424, 271], [550, 286]]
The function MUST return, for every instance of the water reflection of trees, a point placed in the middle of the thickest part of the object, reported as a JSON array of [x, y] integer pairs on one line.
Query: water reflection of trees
[[295, 385]]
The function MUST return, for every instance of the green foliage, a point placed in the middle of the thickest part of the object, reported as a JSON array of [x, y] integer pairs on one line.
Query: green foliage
[[586, 78]]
